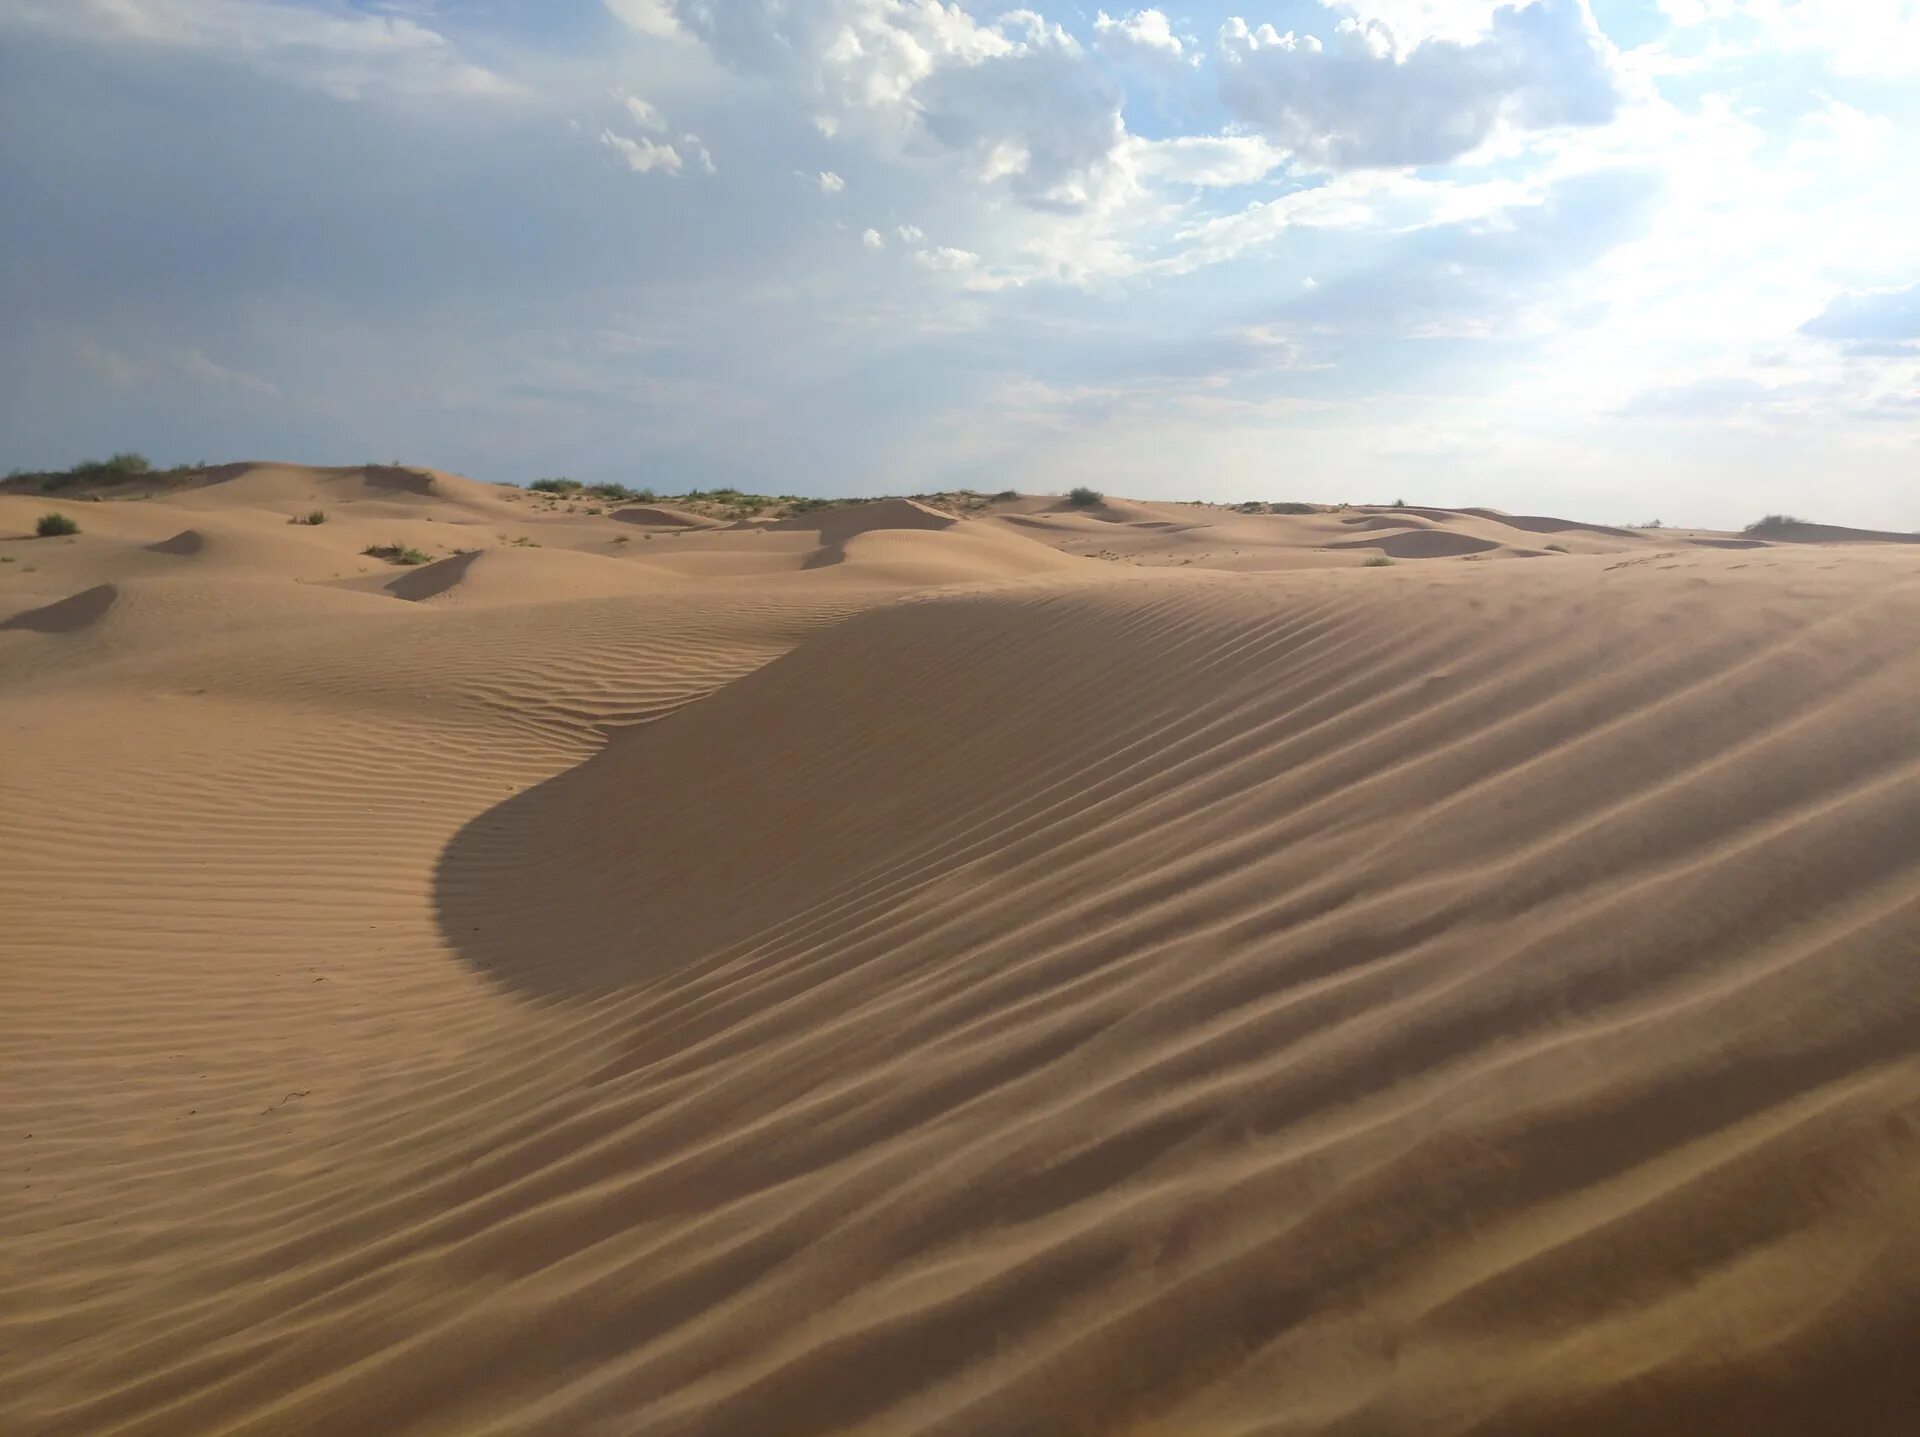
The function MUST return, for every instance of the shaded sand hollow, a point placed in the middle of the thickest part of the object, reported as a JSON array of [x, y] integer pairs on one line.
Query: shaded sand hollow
[[1017, 970]]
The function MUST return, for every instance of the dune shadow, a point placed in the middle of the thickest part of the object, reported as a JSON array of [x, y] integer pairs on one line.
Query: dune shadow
[[1421, 544], [604, 877], [521, 904], [68, 615], [183, 545]]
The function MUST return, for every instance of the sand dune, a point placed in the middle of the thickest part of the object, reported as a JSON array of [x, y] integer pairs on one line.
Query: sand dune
[[897, 973]]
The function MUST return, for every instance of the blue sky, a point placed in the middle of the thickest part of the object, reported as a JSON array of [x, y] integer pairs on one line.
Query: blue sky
[[1619, 258]]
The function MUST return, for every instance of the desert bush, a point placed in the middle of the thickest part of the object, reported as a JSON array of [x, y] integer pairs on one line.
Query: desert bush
[[1008, 494], [1378, 561], [396, 554], [621, 492], [1084, 498], [52, 526], [1560, 548], [116, 470], [1291, 506], [556, 486], [1773, 524], [311, 517]]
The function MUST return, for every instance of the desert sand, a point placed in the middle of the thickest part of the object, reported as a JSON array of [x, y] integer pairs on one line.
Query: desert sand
[[950, 967]]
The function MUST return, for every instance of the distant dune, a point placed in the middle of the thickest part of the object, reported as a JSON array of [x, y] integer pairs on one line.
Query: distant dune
[[950, 966]]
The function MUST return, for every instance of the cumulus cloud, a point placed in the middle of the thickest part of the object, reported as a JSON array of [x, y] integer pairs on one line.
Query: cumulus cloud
[[873, 239], [946, 257], [830, 183], [1015, 101], [1143, 32], [1877, 324], [1353, 102], [642, 155]]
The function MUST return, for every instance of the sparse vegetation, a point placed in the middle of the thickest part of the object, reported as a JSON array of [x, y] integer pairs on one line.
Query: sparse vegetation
[[311, 517], [116, 470], [1291, 506], [1773, 524], [1378, 561], [54, 526], [397, 554], [619, 491], [1560, 548], [556, 486], [1008, 494], [1082, 497]]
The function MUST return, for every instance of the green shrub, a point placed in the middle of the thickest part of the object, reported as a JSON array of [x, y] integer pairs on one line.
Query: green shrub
[[1083, 497], [396, 554], [1773, 524], [620, 491], [312, 516], [1291, 506], [1559, 548], [1008, 494], [1378, 561], [117, 470], [556, 486], [52, 526]]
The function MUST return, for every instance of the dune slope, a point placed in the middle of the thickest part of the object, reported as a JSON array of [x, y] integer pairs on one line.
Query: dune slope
[[1455, 998]]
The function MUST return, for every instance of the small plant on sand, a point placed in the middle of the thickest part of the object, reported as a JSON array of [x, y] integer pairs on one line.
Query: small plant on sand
[[53, 526], [1084, 498], [1378, 561], [396, 554], [1773, 524], [1560, 548], [311, 517], [556, 486], [623, 538]]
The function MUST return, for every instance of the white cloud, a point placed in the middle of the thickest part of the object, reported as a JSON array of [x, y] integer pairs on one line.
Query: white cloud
[[1210, 161], [873, 239], [830, 183], [946, 257], [643, 156], [1857, 37], [1355, 100], [344, 53], [649, 17], [645, 116], [1143, 32], [910, 234]]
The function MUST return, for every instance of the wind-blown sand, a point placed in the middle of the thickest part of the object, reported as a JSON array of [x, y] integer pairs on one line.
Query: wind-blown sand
[[1041, 971]]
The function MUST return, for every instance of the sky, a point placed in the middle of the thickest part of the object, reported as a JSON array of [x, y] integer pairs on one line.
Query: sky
[[1617, 259]]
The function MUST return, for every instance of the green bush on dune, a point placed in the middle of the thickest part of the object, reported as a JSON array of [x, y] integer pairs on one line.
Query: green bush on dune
[[116, 470], [1083, 497], [52, 526], [396, 554]]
